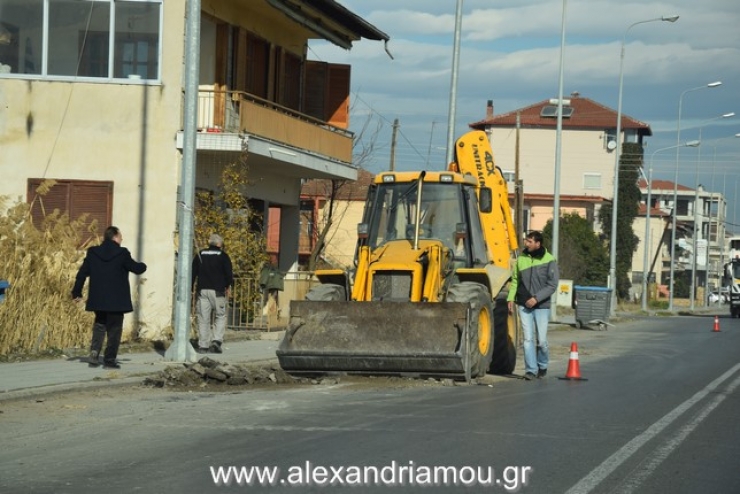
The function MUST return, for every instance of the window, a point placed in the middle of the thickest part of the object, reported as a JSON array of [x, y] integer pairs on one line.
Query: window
[[21, 36], [551, 111], [610, 139], [592, 180], [508, 176], [75, 198], [105, 39]]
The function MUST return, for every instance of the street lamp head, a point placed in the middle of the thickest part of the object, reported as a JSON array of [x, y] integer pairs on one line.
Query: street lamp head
[[692, 144], [669, 18], [728, 115], [714, 84]]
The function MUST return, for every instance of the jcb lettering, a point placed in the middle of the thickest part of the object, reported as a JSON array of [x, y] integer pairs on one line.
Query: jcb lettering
[[490, 165], [479, 166]]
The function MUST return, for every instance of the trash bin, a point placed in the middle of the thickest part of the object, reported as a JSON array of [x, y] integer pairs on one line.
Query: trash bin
[[4, 285], [592, 304]]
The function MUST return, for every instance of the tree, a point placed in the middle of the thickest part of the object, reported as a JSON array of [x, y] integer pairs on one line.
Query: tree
[[228, 212], [333, 188], [582, 256], [363, 148], [628, 206]]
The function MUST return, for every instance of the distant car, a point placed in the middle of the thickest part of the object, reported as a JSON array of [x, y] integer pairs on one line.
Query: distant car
[[715, 297]]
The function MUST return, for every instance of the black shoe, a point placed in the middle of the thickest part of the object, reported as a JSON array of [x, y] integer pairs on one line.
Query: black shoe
[[111, 365], [542, 373], [529, 376], [201, 350], [92, 360], [215, 347]]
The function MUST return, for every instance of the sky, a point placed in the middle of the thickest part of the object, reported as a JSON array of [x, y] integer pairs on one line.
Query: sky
[[510, 54]]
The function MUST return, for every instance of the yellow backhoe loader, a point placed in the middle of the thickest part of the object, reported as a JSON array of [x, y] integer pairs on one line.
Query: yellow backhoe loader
[[427, 295]]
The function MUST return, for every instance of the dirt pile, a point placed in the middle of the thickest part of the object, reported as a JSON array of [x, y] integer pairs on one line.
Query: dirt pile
[[207, 372], [210, 375]]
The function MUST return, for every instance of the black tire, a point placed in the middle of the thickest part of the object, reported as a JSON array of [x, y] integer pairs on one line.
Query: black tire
[[505, 336], [327, 292], [480, 344]]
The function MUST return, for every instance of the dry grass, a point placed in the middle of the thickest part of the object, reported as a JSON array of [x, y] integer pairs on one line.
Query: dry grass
[[40, 262]]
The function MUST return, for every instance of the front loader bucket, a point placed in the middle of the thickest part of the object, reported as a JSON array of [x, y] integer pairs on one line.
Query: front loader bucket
[[376, 338]]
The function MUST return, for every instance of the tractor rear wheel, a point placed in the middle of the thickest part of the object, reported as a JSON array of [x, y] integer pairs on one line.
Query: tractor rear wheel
[[328, 292], [505, 336]]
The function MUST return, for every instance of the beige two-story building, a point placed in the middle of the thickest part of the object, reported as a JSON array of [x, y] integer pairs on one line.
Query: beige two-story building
[[92, 92], [524, 141]]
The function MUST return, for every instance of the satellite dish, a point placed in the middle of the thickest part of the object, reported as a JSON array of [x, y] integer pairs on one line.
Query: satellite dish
[[611, 145]]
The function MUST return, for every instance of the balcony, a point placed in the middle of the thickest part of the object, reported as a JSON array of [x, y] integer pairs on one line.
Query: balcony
[[239, 112]]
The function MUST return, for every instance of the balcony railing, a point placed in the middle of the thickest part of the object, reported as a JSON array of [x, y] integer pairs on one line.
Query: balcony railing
[[237, 111]]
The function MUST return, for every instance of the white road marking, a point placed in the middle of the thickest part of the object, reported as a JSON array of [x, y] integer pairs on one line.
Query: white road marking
[[634, 480], [601, 472]]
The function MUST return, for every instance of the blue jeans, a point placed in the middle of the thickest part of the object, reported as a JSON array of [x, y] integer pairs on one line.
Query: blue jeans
[[536, 353]]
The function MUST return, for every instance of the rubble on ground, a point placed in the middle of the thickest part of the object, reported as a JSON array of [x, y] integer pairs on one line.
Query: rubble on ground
[[210, 375]]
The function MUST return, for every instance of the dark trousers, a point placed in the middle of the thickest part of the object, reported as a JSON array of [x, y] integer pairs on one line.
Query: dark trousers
[[110, 324]]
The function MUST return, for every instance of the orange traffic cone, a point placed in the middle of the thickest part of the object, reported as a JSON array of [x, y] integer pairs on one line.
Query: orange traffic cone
[[574, 367], [716, 325]]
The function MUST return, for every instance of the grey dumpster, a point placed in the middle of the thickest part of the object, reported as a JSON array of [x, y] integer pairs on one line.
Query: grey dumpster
[[592, 304]]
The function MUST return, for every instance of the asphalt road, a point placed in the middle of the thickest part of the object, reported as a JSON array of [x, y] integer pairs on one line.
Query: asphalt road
[[657, 413]]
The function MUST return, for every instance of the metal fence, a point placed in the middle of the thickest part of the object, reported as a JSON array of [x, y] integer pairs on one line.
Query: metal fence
[[252, 307]]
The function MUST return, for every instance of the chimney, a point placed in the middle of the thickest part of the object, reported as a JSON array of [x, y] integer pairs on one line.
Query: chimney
[[489, 109]]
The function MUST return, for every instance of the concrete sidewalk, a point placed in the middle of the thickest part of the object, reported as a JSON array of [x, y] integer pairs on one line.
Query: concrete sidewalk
[[34, 378], [26, 379]]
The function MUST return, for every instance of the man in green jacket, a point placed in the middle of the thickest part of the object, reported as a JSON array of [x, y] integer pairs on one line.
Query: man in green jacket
[[534, 281]]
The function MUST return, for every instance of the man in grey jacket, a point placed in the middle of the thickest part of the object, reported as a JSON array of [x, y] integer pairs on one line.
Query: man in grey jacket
[[534, 281]]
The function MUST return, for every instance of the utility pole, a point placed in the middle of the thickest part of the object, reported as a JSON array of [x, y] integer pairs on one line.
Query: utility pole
[[393, 145], [429, 150], [180, 350], [453, 84], [518, 192]]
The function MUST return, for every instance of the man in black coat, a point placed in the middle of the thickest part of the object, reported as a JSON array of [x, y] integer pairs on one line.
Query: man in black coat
[[108, 266]]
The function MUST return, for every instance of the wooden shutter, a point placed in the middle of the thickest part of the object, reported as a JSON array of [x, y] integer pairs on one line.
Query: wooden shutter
[[291, 82], [42, 205], [337, 109], [258, 53], [75, 198], [240, 60], [314, 92], [326, 93]]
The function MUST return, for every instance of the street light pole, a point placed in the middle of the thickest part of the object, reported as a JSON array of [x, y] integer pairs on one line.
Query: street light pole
[[558, 152], [718, 246], [453, 83], [671, 288], [648, 206], [697, 227], [617, 153]]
